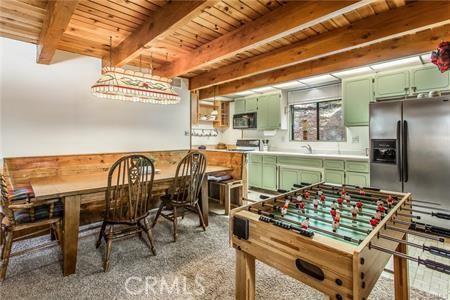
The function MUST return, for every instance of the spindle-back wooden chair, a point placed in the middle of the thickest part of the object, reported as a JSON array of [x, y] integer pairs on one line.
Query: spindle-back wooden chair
[[185, 190], [128, 197], [23, 217]]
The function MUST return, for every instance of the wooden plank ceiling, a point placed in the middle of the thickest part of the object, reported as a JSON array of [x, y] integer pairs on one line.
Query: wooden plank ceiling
[[202, 46]]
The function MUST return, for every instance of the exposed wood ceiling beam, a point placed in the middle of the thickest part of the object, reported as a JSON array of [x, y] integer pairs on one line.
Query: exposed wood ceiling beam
[[171, 16], [291, 17], [407, 45], [59, 13], [415, 16]]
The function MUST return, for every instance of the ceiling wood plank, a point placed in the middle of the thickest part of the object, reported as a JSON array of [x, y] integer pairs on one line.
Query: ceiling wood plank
[[291, 17], [161, 24], [395, 48], [58, 17], [415, 16]]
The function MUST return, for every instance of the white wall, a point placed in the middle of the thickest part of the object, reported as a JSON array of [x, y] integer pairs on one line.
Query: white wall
[[49, 109]]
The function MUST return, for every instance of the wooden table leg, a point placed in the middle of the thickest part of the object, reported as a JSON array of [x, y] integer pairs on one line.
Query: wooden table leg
[[401, 281], [70, 233], [227, 200], [245, 276], [205, 200]]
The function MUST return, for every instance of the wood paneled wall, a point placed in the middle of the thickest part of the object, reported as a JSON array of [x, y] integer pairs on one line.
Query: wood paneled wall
[[232, 160]]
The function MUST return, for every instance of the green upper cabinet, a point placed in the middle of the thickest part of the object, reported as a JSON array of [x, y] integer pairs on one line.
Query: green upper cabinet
[[429, 78], [356, 94], [269, 112], [251, 104], [392, 84], [239, 106]]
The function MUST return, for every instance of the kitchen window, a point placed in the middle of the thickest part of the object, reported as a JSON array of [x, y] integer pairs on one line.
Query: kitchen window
[[318, 121]]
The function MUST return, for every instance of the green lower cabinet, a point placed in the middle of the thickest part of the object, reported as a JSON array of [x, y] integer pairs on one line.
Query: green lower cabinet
[[255, 174], [269, 177], [288, 177], [359, 179], [333, 176], [307, 176]]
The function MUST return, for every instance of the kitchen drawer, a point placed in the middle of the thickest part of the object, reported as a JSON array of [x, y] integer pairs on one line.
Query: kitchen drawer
[[306, 162], [256, 158], [332, 164], [357, 166], [268, 159]]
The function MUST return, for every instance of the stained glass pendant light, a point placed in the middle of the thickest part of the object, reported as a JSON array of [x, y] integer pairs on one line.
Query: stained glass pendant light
[[127, 85]]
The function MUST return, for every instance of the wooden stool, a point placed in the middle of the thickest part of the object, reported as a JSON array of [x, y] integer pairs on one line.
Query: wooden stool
[[226, 187]]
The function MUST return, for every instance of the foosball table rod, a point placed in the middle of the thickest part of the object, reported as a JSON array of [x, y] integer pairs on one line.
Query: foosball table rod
[[432, 213], [424, 235], [429, 207], [423, 227], [430, 264], [432, 249]]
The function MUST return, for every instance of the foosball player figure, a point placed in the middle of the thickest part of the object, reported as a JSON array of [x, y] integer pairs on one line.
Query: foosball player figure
[[337, 217], [380, 202], [362, 192], [333, 204], [301, 206], [359, 205], [315, 203], [322, 199], [305, 223], [299, 198], [382, 210], [354, 210], [307, 195], [390, 201], [347, 199], [333, 212], [373, 222], [283, 210], [320, 193], [335, 225], [340, 201], [378, 215]]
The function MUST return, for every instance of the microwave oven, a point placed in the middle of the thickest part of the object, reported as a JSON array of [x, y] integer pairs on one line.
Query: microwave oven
[[245, 121]]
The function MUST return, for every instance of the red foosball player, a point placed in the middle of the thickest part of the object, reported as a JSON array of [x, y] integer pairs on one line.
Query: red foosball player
[[347, 199], [305, 223], [333, 204], [378, 215], [337, 217], [354, 210], [390, 201], [335, 225], [382, 209], [307, 195], [362, 192], [322, 199], [340, 201], [333, 212], [343, 192], [301, 206], [380, 202], [315, 203], [373, 222], [359, 205]]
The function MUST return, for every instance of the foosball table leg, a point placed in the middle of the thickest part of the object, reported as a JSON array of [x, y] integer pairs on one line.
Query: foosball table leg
[[401, 281], [245, 276]]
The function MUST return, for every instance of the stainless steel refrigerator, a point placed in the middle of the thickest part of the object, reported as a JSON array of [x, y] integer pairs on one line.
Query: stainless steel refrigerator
[[410, 150]]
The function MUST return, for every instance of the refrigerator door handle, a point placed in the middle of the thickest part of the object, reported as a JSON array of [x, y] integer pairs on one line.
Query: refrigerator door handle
[[399, 162], [405, 151]]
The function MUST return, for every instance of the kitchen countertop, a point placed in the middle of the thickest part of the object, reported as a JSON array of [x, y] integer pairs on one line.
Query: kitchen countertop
[[305, 155]]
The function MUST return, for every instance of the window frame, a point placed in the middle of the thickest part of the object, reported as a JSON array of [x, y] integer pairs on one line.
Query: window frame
[[316, 102]]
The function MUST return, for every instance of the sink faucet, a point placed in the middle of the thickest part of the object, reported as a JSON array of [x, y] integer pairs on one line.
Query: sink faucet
[[308, 147]]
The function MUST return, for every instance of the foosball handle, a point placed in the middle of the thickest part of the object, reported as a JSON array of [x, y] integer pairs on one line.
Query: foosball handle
[[434, 265], [440, 215], [439, 251]]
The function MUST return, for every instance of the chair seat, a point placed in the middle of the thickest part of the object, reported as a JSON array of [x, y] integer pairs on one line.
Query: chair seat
[[38, 213]]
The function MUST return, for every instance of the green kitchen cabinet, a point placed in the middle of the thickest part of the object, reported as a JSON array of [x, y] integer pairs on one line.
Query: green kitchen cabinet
[[429, 78], [239, 106], [251, 104], [356, 95], [357, 166], [269, 177], [288, 177], [359, 179], [333, 164], [269, 112], [309, 176], [334, 176], [255, 174], [392, 84]]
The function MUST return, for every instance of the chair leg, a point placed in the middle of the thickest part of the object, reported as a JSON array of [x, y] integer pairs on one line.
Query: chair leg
[[109, 239], [148, 231], [200, 216], [100, 235], [161, 206], [174, 223], [6, 252]]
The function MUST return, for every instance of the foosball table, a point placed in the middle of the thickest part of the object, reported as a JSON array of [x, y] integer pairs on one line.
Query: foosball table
[[336, 239]]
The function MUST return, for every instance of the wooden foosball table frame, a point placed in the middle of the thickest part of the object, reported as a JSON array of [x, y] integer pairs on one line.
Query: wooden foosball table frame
[[340, 270]]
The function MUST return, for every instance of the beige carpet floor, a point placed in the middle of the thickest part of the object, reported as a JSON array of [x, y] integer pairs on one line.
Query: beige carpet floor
[[200, 265]]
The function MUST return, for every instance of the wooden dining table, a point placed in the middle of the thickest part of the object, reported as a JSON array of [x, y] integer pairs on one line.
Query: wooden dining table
[[71, 189]]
